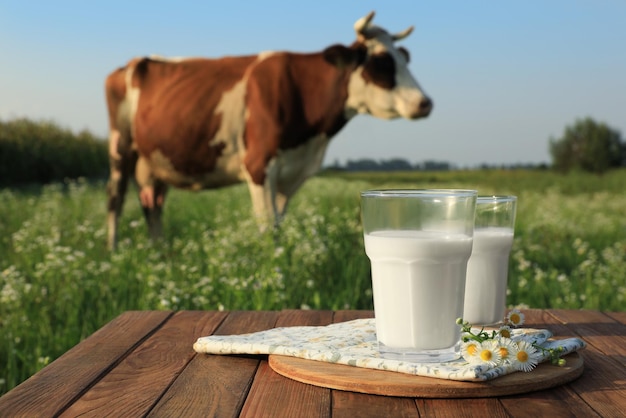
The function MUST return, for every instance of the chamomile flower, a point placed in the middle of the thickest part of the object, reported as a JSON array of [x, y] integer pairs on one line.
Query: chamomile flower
[[515, 318], [497, 348], [526, 358], [469, 351], [489, 353], [508, 350], [505, 331]]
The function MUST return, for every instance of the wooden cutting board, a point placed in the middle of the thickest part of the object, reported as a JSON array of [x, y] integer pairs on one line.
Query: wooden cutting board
[[380, 382]]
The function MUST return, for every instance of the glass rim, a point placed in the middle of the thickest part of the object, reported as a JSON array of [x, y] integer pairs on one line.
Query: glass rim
[[496, 198], [419, 192]]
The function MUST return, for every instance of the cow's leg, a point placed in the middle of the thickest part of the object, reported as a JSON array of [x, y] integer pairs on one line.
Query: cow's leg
[[151, 196], [280, 207], [152, 200], [262, 205], [268, 204], [121, 166]]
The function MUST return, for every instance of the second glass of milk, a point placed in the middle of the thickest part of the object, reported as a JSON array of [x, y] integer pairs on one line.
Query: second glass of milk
[[418, 242], [488, 267]]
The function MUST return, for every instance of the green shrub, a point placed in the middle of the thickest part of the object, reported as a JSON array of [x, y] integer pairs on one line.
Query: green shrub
[[43, 152]]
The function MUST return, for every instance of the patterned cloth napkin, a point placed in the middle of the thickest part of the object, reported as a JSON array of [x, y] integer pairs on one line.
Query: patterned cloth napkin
[[354, 343]]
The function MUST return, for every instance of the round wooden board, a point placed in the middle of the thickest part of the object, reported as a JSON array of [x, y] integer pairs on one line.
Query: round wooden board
[[380, 382]]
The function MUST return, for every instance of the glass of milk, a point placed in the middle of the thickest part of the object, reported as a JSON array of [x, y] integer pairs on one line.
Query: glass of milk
[[418, 242], [488, 267]]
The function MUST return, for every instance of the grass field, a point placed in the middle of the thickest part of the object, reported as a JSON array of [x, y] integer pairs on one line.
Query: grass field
[[58, 284]]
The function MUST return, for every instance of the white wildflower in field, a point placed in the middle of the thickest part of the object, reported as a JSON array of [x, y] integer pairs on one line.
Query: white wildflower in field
[[279, 251]]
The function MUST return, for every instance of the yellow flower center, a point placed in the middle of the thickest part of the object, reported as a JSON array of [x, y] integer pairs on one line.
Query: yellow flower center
[[504, 353], [471, 349], [515, 319], [505, 333], [485, 355], [522, 356]]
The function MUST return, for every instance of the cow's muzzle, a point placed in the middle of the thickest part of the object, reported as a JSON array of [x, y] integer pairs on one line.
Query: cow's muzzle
[[423, 108]]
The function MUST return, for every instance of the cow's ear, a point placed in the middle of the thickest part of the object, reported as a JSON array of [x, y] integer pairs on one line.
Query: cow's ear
[[406, 54], [341, 56]]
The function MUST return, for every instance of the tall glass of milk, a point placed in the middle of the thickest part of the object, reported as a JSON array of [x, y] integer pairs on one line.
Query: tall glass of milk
[[418, 242], [488, 267]]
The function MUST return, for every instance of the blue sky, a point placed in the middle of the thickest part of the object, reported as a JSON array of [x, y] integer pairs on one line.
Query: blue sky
[[504, 76]]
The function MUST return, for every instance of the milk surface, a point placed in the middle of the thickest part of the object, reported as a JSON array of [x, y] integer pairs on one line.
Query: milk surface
[[487, 273], [418, 282]]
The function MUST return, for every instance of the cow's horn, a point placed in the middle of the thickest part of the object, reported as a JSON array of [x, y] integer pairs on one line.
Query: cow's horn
[[363, 22], [403, 34]]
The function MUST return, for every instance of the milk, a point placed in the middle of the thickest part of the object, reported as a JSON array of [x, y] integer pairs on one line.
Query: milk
[[418, 282], [487, 272]]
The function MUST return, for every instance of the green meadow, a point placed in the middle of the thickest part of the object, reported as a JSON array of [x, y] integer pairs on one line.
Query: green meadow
[[58, 283]]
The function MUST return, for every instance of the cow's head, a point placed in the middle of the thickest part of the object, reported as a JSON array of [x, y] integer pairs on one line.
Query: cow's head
[[381, 84]]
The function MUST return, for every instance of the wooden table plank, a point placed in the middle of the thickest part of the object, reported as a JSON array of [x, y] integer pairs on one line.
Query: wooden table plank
[[453, 408], [349, 315], [352, 404], [596, 393], [273, 395], [134, 385], [598, 329], [53, 388], [618, 316], [562, 401], [602, 385], [216, 385]]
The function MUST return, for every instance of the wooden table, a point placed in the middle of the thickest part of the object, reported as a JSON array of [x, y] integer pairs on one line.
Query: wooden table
[[142, 364]]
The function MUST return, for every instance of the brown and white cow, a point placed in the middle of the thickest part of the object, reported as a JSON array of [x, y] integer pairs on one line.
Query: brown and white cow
[[265, 119]]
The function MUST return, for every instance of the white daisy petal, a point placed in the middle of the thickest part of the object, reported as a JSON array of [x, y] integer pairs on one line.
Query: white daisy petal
[[526, 357]]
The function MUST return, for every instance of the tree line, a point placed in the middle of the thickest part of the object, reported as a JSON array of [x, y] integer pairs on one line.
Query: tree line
[[585, 145], [400, 164], [394, 164], [44, 152]]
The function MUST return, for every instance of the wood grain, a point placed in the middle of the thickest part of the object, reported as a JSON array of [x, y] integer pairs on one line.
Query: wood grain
[[618, 316], [353, 404], [582, 397], [288, 397], [134, 385], [468, 407], [216, 385], [604, 385], [53, 388]]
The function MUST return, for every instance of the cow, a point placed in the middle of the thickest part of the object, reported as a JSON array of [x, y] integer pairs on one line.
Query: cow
[[266, 119]]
